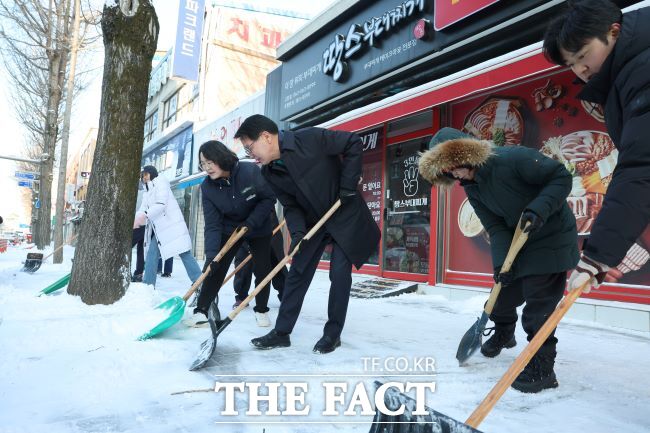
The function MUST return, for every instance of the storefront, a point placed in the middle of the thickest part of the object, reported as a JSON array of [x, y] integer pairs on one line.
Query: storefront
[[477, 68]]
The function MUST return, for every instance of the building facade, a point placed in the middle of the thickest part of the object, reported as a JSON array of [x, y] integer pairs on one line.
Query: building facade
[[398, 71]]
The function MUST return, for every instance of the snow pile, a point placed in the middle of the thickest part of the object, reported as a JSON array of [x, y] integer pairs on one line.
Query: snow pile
[[69, 367]]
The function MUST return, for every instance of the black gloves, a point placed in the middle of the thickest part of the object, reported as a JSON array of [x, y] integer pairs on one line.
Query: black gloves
[[505, 278], [296, 237], [210, 263], [536, 222], [347, 195]]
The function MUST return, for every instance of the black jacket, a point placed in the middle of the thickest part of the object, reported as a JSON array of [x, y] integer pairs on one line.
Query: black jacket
[[243, 199], [623, 87], [519, 178], [319, 163]]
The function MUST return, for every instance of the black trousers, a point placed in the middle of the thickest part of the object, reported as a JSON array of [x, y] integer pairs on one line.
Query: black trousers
[[541, 293], [169, 265], [138, 239], [260, 249], [243, 278], [300, 276]]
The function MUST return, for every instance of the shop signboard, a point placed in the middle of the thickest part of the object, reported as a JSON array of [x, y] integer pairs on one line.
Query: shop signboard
[[223, 129], [172, 157], [187, 49], [371, 186], [374, 41], [448, 12], [544, 114]]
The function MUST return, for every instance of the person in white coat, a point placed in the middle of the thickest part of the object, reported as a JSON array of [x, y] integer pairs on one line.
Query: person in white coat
[[166, 233]]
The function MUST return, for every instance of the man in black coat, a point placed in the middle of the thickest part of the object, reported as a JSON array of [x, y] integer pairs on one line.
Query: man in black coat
[[309, 170], [611, 54]]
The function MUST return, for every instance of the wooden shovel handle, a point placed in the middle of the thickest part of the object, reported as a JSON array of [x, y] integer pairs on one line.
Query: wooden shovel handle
[[59, 247], [518, 241], [250, 256], [284, 261], [232, 240], [524, 357]]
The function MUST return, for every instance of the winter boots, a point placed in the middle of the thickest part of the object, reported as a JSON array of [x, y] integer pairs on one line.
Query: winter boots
[[504, 337], [537, 376]]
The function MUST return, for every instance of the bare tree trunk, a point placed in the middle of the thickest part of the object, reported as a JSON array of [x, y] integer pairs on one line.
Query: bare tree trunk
[[100, 274], [57, 53], [65, 135]]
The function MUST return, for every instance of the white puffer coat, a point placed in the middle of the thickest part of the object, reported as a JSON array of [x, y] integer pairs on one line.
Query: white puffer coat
[[165, 218]]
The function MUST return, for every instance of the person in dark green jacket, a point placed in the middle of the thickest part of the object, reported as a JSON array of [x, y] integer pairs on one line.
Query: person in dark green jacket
[[504, 184]]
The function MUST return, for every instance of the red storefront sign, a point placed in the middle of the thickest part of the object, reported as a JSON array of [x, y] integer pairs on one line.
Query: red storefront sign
[[448, 12]]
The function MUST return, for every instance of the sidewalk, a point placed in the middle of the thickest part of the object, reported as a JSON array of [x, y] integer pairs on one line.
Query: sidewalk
[[68, 367]]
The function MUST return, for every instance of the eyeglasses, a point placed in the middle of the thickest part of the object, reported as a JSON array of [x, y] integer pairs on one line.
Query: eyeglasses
[[204, 165], [249, 148]]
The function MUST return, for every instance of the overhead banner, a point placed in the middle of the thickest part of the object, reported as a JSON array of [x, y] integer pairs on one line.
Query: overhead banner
[[448, 12], [187, 50]]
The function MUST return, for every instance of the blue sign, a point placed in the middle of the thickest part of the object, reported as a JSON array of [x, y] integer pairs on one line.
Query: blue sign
[[25, 175], [37, 205], [174, 153], [24, 226], [187, 50], [25, 183]]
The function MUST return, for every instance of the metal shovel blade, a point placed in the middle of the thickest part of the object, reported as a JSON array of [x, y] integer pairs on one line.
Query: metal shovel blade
[[208, 346], [472, 339], [33, 262], [58, 284], [176, 308], [432, 422]]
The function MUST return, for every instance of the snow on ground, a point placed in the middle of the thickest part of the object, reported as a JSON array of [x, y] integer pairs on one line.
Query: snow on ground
[[69, 367]]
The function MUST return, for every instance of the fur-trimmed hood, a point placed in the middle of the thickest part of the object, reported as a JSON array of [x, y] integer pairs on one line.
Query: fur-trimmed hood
[[450, 154]]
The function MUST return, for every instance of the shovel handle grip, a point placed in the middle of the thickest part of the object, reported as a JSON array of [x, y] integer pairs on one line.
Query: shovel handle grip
[[284, 261], [232, 240], [249, 257], [518, 240], [524, 357]]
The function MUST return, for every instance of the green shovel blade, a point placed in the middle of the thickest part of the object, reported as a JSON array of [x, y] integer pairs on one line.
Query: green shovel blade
[[176, 309], [56, 285]]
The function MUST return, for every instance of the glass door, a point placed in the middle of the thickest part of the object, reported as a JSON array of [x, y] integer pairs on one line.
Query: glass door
[[407, 210]]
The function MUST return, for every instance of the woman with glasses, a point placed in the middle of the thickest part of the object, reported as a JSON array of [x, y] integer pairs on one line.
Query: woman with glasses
[[234, 195]]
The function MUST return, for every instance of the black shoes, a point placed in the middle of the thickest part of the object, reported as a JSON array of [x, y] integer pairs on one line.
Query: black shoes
[[166, 275], [136, 278], [537, 376], [327, 344], [272, 340], [503, 338]]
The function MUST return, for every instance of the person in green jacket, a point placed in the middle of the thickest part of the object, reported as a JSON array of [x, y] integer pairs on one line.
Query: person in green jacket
[[504, 184]]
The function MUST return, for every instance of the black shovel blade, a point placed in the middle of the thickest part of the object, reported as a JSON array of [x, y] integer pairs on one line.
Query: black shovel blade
[[33, 262], [472, 339], [433, 422], [208, 346]]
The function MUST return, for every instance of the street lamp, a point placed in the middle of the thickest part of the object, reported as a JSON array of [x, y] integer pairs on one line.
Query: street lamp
[[41, 159]]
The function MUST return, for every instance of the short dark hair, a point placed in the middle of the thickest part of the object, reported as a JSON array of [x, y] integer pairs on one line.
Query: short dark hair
[[582, 21], [153, 173], [218, 153], [254, 125]]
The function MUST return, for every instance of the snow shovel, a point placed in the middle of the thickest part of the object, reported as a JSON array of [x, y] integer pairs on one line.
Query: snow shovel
[[524, 357], [441, 422], [209, 345], [473, 338], [59, 284], [176, 305], [35, 260]]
